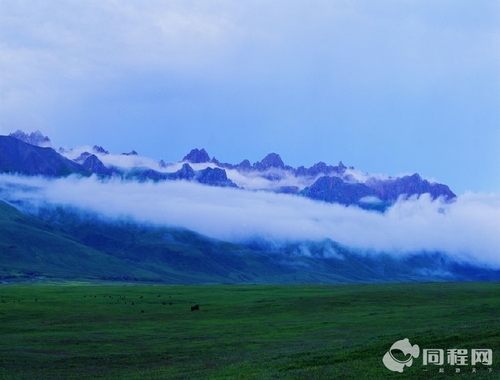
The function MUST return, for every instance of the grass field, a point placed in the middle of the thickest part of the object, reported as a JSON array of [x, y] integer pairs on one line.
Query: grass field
[[85, 331]]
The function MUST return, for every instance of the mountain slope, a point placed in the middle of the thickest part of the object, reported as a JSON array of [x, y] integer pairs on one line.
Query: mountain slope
[[67, 246], [31, 247], [19, 157], [34, 138]]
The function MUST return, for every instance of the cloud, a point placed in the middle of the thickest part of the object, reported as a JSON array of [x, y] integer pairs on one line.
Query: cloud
[[468, 228], [246, 179], [308, 79], [53, 50], [123, 161]]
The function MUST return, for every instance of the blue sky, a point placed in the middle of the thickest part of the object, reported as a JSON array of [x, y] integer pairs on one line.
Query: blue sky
[[385, 86]]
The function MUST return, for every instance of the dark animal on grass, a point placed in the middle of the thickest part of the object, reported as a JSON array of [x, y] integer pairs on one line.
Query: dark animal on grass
[[195, 307]]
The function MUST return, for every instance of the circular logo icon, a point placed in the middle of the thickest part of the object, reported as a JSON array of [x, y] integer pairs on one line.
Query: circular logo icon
[[406, 348]]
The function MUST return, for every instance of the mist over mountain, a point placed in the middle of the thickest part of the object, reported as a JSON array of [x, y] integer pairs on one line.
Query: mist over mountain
[[61, 245], [201, 220], [22, 154]]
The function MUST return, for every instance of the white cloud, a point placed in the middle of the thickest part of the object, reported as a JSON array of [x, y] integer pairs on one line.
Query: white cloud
[[302, 77], [123, 161], [468, 228], [245, 179], [50, 45], [255, 180]]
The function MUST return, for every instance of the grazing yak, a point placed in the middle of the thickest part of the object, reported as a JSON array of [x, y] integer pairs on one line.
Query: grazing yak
[[195, 307]]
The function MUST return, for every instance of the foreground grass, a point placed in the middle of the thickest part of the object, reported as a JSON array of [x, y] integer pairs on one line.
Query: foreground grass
[[241, 332]]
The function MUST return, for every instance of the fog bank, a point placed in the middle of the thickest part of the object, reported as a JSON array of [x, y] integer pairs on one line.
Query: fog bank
[[468, 228]]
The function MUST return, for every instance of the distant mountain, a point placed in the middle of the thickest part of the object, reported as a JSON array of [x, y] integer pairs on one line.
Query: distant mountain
[[336, 190], [197, 156], [35, 138], [272, 160], [94, 165], [390, 190], [21, 153], [320, 168], [334, 184], [57, 243], [17, 156]]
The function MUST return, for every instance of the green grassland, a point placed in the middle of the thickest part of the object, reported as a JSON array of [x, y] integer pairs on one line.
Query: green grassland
[[82, 331]]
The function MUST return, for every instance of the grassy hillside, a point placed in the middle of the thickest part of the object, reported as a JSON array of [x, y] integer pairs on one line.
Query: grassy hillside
[[66, 246], [31, 248], [62, 245], [242, 332]]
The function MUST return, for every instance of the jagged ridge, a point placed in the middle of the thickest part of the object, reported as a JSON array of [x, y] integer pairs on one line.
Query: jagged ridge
[[21, 153]]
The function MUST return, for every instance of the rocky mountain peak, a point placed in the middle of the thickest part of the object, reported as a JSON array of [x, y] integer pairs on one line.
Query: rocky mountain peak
[[22, 153], [34, 138], [272, 160], [197, 156], [341, 167], [132, 153], [99, 149]]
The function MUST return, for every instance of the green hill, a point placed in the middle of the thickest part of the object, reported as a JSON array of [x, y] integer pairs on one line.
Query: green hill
[[63, 245], [30, 248], [66, 246]]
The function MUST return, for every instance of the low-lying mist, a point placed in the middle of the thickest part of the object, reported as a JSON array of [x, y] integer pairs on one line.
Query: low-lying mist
[[468, 228]]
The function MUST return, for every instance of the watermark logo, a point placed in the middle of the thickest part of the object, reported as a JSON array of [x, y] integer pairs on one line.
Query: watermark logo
[[398, 365], [457, 358]]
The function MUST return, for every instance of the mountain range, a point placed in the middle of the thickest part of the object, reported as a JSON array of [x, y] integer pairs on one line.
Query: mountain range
[[64, 244], [32, 155]]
